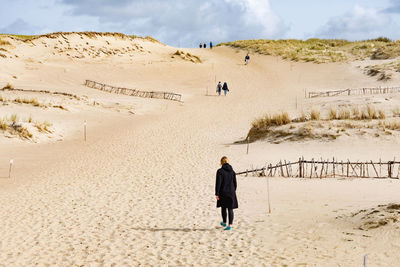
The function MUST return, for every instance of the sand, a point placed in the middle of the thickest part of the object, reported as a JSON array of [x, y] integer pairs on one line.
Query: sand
[[140, 190]]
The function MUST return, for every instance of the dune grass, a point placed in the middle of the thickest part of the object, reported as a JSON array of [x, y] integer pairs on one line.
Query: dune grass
[[275, 120], [4, 124], [14, 126], [262, 125], [269, 124], [344, 114], [9, 86], [396, 112], [392, 125], [31, 101], [2, 42], [187, 56], [14, 118], [315, 115], [22, 37], [89, 34], [43, 127], [321, 50], [11, 125]]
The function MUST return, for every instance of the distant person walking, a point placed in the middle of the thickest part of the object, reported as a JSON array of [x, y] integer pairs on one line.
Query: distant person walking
[[225, 192], [247, 59], [219, 88], [211, 45], [225, 88], [204, 45], [201, 46]]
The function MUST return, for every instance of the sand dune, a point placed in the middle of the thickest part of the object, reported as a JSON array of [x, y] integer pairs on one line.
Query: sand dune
[[140, 189]]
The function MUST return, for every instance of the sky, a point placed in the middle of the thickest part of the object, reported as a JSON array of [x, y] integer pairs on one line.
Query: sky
[[187, 23]]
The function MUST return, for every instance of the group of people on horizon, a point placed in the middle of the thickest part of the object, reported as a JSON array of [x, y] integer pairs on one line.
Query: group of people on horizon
[[205, 45], [221, 88]]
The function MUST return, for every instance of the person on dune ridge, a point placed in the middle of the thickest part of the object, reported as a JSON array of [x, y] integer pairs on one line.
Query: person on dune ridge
[[225, 192], [247, 59]]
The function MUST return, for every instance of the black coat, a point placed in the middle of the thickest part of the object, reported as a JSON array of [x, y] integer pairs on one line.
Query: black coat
[[225, 87], [225, 187]]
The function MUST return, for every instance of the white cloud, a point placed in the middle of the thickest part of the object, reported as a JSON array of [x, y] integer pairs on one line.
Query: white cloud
[[185, 22], [259, 12], [394, 7], [19, 26], [359, 23]]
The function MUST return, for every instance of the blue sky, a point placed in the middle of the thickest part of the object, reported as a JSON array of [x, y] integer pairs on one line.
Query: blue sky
[[189, 22]]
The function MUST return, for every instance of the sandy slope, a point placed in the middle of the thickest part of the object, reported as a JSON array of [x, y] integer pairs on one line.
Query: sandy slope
[[140, 190]]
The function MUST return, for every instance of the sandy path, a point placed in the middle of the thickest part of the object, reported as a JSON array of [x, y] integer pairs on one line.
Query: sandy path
[[144, 195]]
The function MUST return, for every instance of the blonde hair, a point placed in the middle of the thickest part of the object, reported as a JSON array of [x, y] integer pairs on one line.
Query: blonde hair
[[224, 160]]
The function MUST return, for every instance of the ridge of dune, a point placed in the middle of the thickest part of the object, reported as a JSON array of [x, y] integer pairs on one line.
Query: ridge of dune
[[75, 45]]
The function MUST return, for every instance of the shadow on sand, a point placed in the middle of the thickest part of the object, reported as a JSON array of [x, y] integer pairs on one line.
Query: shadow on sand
[[173, 229]]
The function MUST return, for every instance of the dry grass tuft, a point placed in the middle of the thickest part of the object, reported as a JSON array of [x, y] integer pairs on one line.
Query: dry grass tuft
[[332, 114], [9, 86], [394, 125], [2, 42], [303, 117], [344, 114], [356, 112], [24, 133], [187, 56], [315, 115], [12, 126], [32, 101], [381, 114], [371, 113], [267, 121], [60, 107], [14, 118], [396, 112], [262, 125], [43, 127], [4, 124]]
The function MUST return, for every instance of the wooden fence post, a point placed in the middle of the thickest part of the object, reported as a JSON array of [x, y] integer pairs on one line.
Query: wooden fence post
[[248, 141], [299, 167], [341, 163], [377, 175], [282, 173], [312, 163], [333, 162], [287, 169]]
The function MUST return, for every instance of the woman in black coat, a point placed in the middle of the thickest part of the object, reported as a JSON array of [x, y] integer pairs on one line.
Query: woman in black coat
[[225, 192], [225, 88]]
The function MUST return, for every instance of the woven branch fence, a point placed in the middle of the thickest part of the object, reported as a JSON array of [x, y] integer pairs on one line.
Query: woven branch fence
[[133, 92], [359, 91], [326, 169]]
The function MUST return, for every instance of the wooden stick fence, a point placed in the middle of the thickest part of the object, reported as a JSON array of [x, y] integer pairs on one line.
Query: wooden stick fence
[[359, 91], [329, 168], [133, 92]]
